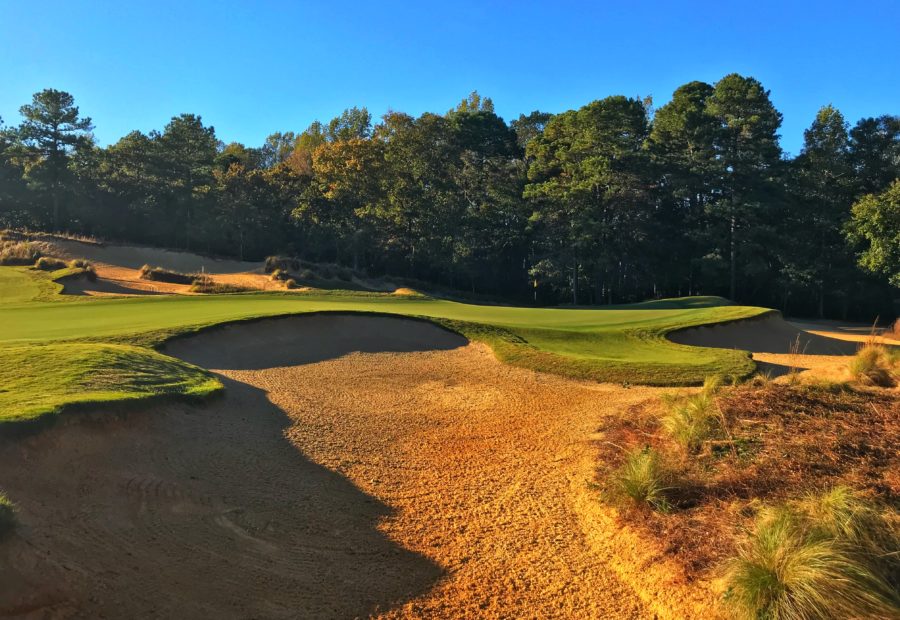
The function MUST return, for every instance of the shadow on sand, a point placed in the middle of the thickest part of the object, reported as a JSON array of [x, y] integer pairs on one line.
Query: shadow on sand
[[199, 512]]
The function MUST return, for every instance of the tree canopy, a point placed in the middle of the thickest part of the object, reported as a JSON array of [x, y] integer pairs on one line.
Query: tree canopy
[[608, 203]]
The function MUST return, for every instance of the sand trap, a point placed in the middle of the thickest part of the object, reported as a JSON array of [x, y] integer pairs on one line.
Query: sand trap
[[779, 347], [293, 340], [767, 334], [134, 257], [103, 286], [424, 480]]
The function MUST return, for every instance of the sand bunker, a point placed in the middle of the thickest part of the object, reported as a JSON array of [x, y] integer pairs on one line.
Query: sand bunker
[[134, 257], [767, 334], [778, 347], [307, 339], [432, 482]]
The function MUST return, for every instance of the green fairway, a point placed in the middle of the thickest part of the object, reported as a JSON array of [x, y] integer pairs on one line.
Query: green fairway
[[56, 350]]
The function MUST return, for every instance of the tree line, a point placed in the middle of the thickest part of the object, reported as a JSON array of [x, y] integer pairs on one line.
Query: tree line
[[610, 203]]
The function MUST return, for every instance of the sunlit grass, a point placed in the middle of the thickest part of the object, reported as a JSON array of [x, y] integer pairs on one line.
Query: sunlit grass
[[811, 559]]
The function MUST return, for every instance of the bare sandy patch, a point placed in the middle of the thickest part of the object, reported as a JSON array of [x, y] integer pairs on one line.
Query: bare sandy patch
[[418, 478], [134, 257]]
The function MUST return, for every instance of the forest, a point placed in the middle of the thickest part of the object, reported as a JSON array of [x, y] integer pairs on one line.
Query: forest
[[611, 203]]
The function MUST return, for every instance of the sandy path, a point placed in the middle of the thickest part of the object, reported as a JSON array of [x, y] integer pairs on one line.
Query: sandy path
[[424, 483]]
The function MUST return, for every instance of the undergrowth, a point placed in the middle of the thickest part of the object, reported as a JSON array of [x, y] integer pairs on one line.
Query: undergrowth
[[158, 274]]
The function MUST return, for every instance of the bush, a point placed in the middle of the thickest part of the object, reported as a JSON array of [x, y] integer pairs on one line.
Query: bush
[[290, 283], [86, 267], [280, 275], [49, 263], [158, 274], [307, 275], [7, 516], [643, 479], [282, 263], [20, 252], [802, 562], [691, 420], [207, 285], [873, 364]]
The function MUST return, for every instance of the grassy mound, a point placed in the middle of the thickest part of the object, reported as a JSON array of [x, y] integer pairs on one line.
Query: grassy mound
[[43, 379], [875, 364]]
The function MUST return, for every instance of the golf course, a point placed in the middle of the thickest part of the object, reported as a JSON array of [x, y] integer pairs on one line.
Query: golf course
[[472, 311], [108, 352]]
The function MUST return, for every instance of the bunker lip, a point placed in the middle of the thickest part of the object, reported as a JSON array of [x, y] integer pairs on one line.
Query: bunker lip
[[307, 338], [766, 333]]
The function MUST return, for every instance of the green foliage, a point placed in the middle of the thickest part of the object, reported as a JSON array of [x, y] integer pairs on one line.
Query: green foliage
[[607, 203], [875, 227], [643, 479], [814, 559], [7, 516]]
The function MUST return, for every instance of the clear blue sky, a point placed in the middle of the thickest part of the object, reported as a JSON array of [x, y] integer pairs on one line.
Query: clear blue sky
[[251, 68]]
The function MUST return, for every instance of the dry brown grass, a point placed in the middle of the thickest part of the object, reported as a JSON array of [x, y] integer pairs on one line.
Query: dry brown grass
[[784, 440]]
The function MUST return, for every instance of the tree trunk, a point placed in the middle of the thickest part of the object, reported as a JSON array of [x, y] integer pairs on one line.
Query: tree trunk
[[575, 283], [732, 294]]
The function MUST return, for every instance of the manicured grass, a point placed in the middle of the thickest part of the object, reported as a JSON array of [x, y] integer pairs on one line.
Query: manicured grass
[[616, 343], [42, 379]]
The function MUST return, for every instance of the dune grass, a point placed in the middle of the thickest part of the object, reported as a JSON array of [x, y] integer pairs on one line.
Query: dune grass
[[692, 419], [643, 479], [624, 344], [875, 364], [815, 558]]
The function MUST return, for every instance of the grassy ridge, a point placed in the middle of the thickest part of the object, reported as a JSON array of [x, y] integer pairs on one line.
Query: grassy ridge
[[57, 350], [43, 379]]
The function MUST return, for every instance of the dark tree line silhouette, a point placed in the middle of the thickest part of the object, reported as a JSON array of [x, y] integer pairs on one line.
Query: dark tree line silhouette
[[609, 203]]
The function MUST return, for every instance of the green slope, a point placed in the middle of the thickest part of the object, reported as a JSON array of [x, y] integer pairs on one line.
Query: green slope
[[40, 330]]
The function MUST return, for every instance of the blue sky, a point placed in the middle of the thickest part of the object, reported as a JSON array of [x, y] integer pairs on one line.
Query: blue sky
[[251, 68]]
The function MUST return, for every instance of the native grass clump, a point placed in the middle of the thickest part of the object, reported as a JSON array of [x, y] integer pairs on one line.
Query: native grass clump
[[875, 364], [643, 479], [787, 489], [828, 555]]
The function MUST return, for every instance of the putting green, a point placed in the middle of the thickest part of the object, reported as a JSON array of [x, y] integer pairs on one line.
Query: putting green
[[57, 350]]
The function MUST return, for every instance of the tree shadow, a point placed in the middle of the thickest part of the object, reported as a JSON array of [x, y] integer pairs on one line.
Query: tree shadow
[[209, 511]]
